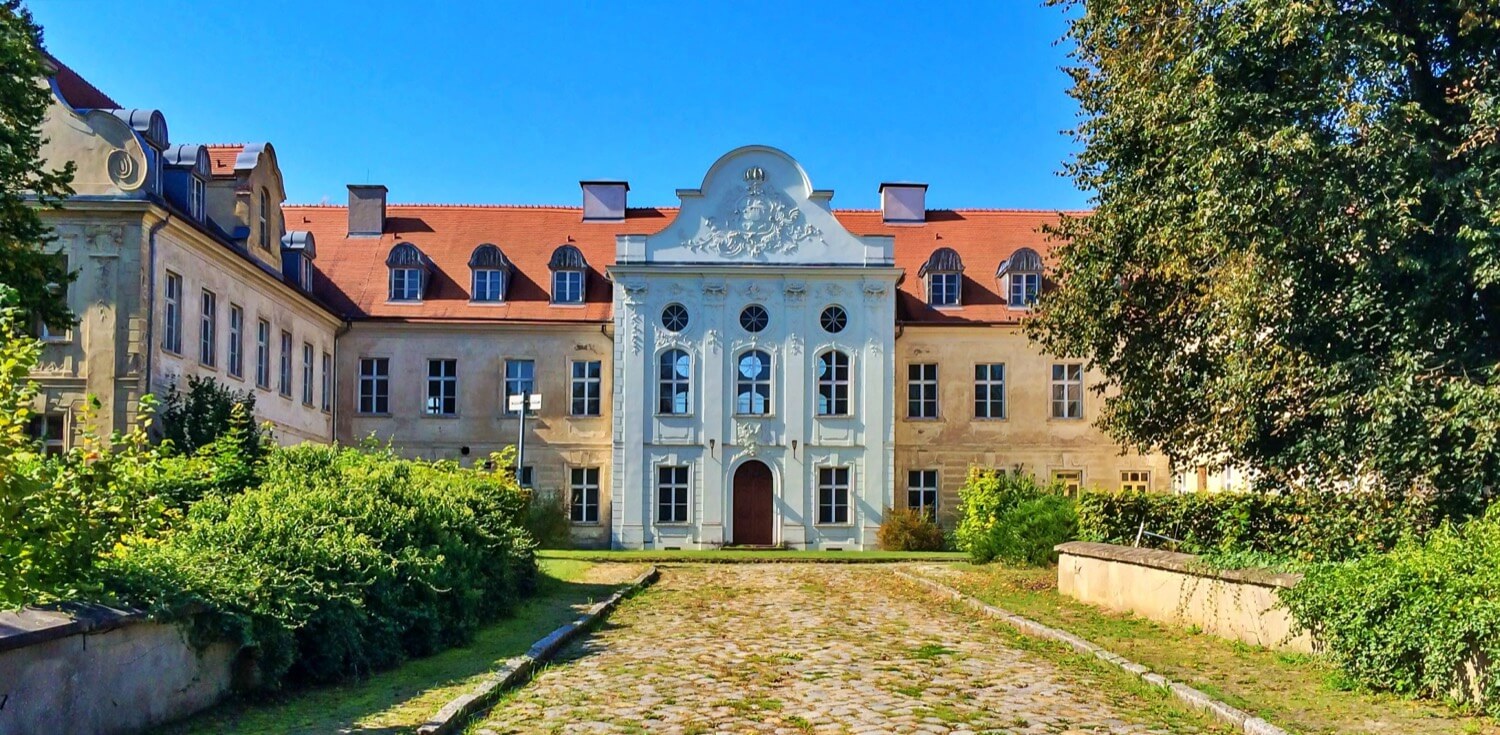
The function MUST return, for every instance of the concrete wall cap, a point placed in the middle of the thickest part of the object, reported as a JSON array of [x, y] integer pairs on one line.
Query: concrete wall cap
[[1176, 562]]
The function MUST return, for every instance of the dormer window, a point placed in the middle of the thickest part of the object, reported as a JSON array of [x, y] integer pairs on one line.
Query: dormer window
[[297, 253], [569, 270], [409, 272], [944, 275], [197, 192], [265, 219], [491, 273], [1020, 278], [187, 173]]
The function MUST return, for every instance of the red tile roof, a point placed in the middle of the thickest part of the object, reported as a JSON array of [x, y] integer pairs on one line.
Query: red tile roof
[[353, 279], [221, 157], [77, 91]]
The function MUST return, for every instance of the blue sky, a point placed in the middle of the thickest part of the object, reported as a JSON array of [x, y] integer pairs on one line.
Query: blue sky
[[515, 103]]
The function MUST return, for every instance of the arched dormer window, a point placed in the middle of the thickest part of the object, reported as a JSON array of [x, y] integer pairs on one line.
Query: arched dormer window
[[833, 383], [298, 250], [1020, 278], [264, 219], [569, 270], [944, 275], [491, 273], [410, 270]]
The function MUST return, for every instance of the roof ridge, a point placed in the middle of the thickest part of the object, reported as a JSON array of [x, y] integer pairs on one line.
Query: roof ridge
[[574, 208]]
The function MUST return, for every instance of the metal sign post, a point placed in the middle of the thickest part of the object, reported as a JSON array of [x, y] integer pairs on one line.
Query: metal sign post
[[523, 404]]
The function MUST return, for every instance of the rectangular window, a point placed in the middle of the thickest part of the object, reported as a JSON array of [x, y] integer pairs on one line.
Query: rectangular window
[[1067, 390], [833, 384], [284, 384], [1071, 481], [943, 288], [526, 477], [406, 284], [489, 285], [583, 486], [671, 494], [1135, 481], [197, 191], [989, 390], [520, 379], [375, 385], [171, 338], [263, 353], [833, 495], [236, 341], [442, 387], [49, 429], [208, 335], [1024, 288], [327, 382], [307, 374], [922, 390], [567, 287], [585, 387], [922, 491], [42, 331]]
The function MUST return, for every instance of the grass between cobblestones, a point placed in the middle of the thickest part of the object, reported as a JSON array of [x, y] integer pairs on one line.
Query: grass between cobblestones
[[1301, 693], [398, 700], [728, 556]]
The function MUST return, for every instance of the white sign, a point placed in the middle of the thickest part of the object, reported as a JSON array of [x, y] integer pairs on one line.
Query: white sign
[[514, 404]]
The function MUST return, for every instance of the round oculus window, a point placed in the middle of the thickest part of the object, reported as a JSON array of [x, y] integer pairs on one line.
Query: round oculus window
[[834, 319], [754, 318], [674, 317]]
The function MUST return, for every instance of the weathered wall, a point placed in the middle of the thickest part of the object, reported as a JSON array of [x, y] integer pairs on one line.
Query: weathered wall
[[1174, 589], [1027, 437], [102, 674]]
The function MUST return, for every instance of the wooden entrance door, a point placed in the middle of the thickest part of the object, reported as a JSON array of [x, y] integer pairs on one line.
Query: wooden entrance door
[[752, 505]]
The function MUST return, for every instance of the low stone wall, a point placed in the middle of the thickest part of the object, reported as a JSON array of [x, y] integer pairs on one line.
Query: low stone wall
[[1177, 589], [90, 669]]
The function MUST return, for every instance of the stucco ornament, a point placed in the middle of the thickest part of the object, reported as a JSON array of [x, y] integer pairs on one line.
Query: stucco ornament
[[757, 220], [747, 437], [715, 342], [635, 292], [637, 330], [795, 343], [795, 291], [874, 291]]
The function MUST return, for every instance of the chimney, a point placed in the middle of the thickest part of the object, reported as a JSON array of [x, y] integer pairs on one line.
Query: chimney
[[604, 201], [366, 210], [903, 202]]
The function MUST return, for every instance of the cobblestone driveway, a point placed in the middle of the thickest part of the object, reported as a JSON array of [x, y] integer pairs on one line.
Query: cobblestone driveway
[[796, 648]]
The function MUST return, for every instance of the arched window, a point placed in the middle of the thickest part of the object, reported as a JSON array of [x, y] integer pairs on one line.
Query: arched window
[[409, 272], [752, 394], [1021, 278], [264, 216], [568, 275], [833, 384], [491, 273], [675, 383], [944, 274]]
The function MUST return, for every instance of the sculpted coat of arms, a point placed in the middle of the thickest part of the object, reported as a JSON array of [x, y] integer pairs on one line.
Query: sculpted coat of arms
[[758, 220]]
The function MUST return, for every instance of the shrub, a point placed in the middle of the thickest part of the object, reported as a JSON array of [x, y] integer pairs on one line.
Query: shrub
[[206, 413], [342, 561], [1010, 517], [1302, 525], [909, 529], [1404, 621]]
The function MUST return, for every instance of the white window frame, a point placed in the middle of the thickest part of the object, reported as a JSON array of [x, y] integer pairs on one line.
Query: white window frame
[[586, 388], [197, 193], [327, 382], [39, 428], [406, 284], [583, 495], [265, 219], [922, 391], [949, 285], [374, 386], [834, 392], [284, 373], [922, 487], [442, 387], [671, 385], [263, 354], [1024, 288], [741, 383], [208, 329], [1067, 391], [493, 282], [507, 381], [236, 366], [674, 495], [567, 286], [835, 490], [307, 374], [986, 386], [171, 338]]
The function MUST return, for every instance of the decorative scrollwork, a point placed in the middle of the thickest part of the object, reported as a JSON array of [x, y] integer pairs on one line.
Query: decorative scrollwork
[[758, 220]]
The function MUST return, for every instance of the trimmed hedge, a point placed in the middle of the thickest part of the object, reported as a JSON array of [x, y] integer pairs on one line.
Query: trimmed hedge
[[1308, 526], [1012, 518], [342, 561]]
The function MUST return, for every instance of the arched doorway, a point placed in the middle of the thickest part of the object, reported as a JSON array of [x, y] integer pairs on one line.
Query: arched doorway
[[752, 505]]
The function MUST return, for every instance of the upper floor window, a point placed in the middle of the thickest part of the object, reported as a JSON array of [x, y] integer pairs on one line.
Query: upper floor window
[[1067, 390], [284, 383], [442, 387], [754, 318], [568, 275], [833, 384], [327, 382], [263, 219], [171, 338], [307, 374], [674, 318], [208, 334], [675, 383], [585, 387], [989, 390], [236, 341], [263, 353], [1021, 277], [409, 271], [491, 273], [197, 192], [922, 390], [520, 380], [753, 384], [375, 385], [833, 319], [944, 275]]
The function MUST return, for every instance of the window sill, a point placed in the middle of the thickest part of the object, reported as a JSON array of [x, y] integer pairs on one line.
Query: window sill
[[677, 525], [488, 302], [362, 414], [672, 415], [232, 376], [924, 419], [845, 524], [754, 415], [208, 366], [56, 340], [833, 416], [992, 419], [440, 416], [584, 524], [1065, 419], [576, 304], [403, 302]]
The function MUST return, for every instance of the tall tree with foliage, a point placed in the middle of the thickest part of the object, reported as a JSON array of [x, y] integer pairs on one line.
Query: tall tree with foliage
[[1294, 261], [25, 180]]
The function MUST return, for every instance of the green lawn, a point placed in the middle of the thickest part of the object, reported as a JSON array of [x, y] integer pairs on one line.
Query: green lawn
[[400, 699], [726, 556], [1300, 693]]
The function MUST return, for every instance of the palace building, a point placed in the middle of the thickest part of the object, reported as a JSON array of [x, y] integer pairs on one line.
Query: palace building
[[748, 366]]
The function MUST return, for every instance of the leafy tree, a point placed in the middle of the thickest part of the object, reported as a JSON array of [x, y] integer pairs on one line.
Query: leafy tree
[[207, 412], [25, 181], [1294, 261]]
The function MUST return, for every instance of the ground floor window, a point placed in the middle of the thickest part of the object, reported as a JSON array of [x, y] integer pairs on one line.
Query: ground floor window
[[922, 491], [48, 429], [1135, 480], [1071, 481], [583, 484], [833, 495], [671, 494]]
